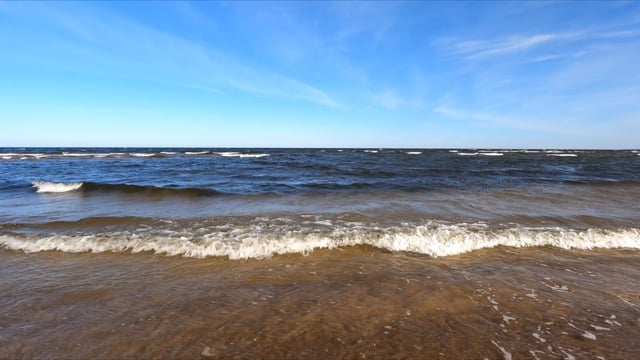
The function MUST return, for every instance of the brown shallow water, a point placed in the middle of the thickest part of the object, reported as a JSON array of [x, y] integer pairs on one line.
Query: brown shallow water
[[347, 303]]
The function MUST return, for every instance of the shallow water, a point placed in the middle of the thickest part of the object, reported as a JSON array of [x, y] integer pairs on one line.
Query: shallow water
[[344, 303]]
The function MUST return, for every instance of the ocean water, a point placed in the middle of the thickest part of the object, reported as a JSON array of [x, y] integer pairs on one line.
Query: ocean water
[[319, 253]]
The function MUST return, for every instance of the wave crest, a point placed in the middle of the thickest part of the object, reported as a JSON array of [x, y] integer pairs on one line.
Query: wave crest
[[86, 187], [261, 240], [52, 187]]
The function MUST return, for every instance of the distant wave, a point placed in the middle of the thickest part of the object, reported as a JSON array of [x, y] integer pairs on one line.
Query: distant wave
[[252, 241], [562, 154], [414, 152], [25, 156], [97, 155], [240, 155], [142, 154], [52, 187]]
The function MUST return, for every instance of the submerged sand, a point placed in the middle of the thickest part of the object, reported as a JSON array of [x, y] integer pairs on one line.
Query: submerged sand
[[355, 302]]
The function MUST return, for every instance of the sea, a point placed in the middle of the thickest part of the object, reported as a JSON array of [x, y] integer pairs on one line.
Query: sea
[[250, 253]]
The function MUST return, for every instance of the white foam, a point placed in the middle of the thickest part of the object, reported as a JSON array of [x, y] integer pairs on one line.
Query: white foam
[[563, 155], [539, 337], [196, 152], [240, 155], [505, 354], [371, 151], [414, 152], [491, 153], [168, 152], [253, 155], [585, 334], [28, 156], [51, 187], [9, 156], [468, 154], [95, 155], [254, 241], [453, 151], [142, 154]]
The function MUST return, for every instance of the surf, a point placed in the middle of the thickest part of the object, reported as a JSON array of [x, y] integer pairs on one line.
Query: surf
[[263, 238]]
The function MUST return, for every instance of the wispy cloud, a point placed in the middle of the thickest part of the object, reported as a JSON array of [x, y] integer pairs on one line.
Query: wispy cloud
[[519, 43], [550, 57], [495, 120], [390, 99], [109, 41], [476, 49]]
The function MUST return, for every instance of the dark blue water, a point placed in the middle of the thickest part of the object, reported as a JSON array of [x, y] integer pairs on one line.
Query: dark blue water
[[289, 171], [318, 197]]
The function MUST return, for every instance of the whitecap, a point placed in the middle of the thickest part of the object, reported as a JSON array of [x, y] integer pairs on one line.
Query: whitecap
[[52, 187], [241, 155], [414, 152]]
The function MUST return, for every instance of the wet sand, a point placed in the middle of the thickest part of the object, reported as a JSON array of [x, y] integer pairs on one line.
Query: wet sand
[[346, 303]]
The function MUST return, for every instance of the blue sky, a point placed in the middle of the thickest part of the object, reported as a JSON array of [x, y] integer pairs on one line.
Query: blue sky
[[321, 74]]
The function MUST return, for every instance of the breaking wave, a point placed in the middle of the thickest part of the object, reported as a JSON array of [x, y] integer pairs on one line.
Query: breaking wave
[[53, 187], [241, 155], [264, 238]]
